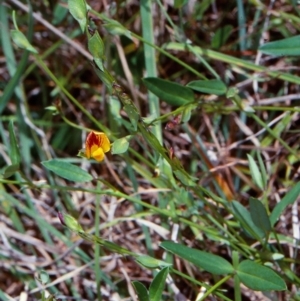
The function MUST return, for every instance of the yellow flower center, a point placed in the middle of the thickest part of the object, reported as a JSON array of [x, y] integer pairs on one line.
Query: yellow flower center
[[97, 153]]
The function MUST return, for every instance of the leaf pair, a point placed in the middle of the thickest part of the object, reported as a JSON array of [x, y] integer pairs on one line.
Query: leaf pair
[[257, 222], [178, 95], [156, 287], [253, 275]]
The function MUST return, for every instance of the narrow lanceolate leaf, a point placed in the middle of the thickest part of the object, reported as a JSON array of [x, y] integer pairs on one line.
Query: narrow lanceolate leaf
[[255, 173], [115, 28], [96, 48], [289, 199], [67, 170], [141, 291], [209, 262], [288, 46], [21, 41], [259, 215], [172, 93], [14, 152], [214, 86], [151, 263], [157, 285], [10, 170], [78, 10], [258, 277], [70, 222]]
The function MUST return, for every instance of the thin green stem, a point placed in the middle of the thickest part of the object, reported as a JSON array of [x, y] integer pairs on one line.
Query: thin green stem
[[213, 288], [14, 20], [74, 125]]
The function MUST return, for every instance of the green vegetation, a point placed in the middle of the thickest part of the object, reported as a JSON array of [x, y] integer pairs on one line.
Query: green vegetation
[[194, 196]]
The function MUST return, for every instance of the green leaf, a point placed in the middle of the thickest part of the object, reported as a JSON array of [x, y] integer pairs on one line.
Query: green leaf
[[244, 217], [277, 256], [221, 36], [209, 262], [78, 10], [255, 172], [172, 93], [70, 222], [115, 28], [67, 170], [259, 215], [120, 146], [141, 291], [14, 149], [21, 41], [96, 48], [157, 285], [288, 46], [10, 170], [214, 86], [52, 108], [151, 263], [289, 199], [258, 277]]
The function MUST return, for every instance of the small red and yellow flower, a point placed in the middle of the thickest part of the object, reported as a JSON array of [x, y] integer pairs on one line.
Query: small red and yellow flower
[[96, 145]]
